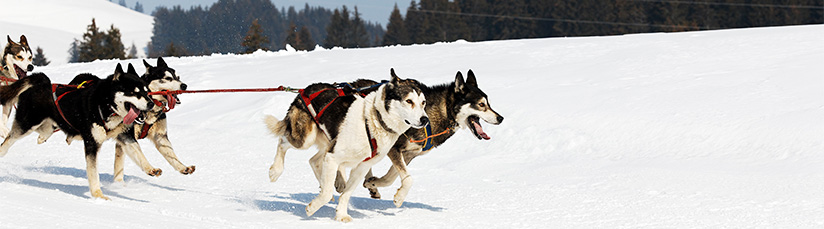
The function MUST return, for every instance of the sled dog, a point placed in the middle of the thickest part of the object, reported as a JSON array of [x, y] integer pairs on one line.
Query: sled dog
[[17, 60], [157, 78], [88, 108], [351, 132], [457, 105]]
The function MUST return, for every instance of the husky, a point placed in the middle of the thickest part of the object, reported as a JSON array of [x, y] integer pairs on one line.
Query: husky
[[89, 109], [457, 105], [158, 78], [17, 60], [355, 132]]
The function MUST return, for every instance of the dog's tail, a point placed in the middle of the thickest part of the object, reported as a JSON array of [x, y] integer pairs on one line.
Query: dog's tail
[[275, 126], [10, 93]]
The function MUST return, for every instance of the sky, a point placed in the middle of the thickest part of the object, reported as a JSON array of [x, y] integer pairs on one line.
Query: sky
[[371, 10]]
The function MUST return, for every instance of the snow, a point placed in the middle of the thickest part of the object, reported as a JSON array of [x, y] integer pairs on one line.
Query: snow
[[54, 24], [719, 129]]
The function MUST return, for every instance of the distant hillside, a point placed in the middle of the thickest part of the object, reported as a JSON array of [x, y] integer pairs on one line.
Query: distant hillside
[[53, 24]]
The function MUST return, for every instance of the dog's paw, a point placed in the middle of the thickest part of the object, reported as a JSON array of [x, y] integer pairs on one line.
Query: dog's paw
[[274, 172], [312, 207], [4, 131], [188, 170], [373, 192], [99, 194], [340, 185], [343, 218], [41, 139], [155, 172]]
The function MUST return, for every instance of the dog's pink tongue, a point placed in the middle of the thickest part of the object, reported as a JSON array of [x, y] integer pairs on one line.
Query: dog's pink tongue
[[172, 101], [480, 130], [131, 116]]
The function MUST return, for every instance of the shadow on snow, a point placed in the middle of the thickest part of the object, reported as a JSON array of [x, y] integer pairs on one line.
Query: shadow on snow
[[357, 203]]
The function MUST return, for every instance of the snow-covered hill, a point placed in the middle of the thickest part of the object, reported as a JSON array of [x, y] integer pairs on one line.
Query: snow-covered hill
[[54, 24], [702, 129]]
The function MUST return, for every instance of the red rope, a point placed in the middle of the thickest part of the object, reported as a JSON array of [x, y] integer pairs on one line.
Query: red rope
[[279, 88]]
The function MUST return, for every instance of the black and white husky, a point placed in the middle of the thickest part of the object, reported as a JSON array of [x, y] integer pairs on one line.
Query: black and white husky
[[457, 105], [17, 60], [352, 132], [158, 78], [89, 109]]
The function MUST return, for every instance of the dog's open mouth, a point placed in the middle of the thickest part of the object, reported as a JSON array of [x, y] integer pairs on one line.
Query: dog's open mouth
[[134, 115], [20, 72], [475, 126], [172, 100]]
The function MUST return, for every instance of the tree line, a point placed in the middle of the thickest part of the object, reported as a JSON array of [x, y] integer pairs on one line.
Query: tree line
[[225, 26], [243, 26], [429, 21]]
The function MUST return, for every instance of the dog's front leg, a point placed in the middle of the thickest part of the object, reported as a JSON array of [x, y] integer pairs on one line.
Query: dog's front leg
[[164, 146], [399, 165], [4, 120], [92, 146], [126, 143], [327, 186], [355, 178]]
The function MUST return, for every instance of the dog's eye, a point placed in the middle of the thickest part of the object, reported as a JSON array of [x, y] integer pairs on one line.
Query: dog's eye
[[481, 105], [19, 57], [409, 101], [423, 103]]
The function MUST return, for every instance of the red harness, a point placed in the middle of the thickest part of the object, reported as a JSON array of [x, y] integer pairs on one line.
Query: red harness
[[58, 98], [307, 101]]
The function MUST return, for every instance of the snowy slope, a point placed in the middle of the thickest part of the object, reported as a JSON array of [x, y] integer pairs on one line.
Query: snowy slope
[[54, 24], [702, 129]]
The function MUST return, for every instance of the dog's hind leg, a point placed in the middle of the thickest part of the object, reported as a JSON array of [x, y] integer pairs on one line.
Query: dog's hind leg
[[4, 119], [15, 134], [164, 146], [277, 167], [118, 163], [45, 130]]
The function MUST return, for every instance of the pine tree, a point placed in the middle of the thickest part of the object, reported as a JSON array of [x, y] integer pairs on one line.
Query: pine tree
[[74, 51], [307, 43], [336, 30], [255, 39], [97, 45], [40, 58], [122, 3], [132, 52], [138, 7], [175, 51], [292, 38], [360, 38]]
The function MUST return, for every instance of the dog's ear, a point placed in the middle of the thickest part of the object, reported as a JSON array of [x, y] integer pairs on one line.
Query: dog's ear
[[161, 63], [131, 69], [146, 64], [470, 79], [459, 82], [395, 78], [10, 41], [23, 40], [117, 72]]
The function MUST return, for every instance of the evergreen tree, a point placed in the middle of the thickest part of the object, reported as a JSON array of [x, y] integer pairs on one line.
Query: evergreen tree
[[335, 31], [307, 43], [138, 7], [122, 3], [132, 52], [255, 39], [97, 45], [175, 51], [359, 36], [39, 58], [74, 51]]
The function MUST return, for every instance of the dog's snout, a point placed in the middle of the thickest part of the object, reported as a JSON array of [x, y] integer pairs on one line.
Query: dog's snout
[[424, 120], [500, 119], [30, 68], [183, 86]]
